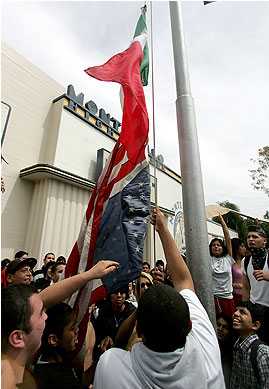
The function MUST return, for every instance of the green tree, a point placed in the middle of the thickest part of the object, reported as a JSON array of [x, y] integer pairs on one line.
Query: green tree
[[233, 219], [260, 173]]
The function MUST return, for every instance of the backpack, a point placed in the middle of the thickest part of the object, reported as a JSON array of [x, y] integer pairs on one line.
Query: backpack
[[246, 262], [253, 358]]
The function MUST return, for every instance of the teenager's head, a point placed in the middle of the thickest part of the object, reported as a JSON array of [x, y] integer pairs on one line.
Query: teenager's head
[[21, 254], [4, 263], [160, 265], [217, 248], [61, 259], [23, 320], [163, 319], [60, 334], [256, 238], [49, 257], [118, 298], [144, 282], [248, 318], [19, 271], [57, 271], [238, 248], [224, 328], [146, 267]]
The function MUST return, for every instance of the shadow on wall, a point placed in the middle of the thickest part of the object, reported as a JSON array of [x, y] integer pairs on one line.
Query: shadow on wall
[[15, 216]]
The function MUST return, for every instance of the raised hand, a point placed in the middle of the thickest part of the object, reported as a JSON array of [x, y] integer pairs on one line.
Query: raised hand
[[157, 218], [102, 268]]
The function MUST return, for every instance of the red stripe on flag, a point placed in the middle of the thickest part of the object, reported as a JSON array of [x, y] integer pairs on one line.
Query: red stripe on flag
[[123, 68]]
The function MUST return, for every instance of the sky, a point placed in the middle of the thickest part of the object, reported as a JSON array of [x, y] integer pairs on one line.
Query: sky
[[227, 51]]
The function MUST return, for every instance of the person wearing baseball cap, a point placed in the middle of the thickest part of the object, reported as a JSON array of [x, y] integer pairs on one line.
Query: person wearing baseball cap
[[19, 271]]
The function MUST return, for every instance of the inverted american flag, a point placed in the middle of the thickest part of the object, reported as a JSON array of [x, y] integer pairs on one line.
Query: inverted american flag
[[115, 223]]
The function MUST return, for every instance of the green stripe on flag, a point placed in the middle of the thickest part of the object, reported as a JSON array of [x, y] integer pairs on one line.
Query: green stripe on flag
[[141, 28]]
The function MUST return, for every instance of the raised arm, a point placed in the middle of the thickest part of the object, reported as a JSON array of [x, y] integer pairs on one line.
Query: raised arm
[[226, 235], [58, 292], [178, 269]]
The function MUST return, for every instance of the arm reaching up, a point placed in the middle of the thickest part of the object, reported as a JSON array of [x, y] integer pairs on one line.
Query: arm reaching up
[[226, 235], [177, 267], [58, 292]]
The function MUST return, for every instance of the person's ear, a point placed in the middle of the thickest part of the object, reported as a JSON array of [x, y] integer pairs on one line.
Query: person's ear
[[9, 278], [16, 339], [256, 325], [53, 340]]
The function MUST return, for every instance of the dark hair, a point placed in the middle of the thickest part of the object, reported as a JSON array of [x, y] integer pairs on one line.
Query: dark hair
[[258, 229], [5, 262], [61, 260], [59, 316], [55, 265], [15, 310], [163, 319], [256, 311], [227, 318], [49, 254], [224, 249], [160, 262], [47, 266], [19, 254], [236, 243], [145, 263], [123, 289]]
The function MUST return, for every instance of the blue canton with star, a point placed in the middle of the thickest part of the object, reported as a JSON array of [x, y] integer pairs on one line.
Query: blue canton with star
[[123, 230]]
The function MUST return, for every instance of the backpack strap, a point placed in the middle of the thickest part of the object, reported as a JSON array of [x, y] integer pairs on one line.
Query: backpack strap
[[253, 357], [246, 262]]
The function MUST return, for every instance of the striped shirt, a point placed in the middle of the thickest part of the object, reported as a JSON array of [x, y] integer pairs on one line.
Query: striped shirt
[[243, 375]]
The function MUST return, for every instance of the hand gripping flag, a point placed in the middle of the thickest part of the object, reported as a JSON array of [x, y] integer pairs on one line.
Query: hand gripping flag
[[115, 223]]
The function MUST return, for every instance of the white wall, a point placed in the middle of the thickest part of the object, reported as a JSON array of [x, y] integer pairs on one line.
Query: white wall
[[30, 93]]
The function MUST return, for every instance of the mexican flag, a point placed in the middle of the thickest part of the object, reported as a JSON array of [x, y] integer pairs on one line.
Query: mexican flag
[[141, 28]]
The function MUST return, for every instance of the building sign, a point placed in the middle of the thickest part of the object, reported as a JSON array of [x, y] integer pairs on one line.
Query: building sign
[[90, 113]]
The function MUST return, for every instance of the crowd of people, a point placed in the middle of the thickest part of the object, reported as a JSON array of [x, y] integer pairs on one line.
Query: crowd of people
[[152, 333]]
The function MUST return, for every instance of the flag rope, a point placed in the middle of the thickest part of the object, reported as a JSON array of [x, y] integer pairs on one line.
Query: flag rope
[[153, 130]]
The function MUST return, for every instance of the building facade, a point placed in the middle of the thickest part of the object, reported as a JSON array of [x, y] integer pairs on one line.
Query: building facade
[[55, 145]]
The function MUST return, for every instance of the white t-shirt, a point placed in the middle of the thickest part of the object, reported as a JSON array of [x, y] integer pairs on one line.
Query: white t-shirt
[[259, 290], [197, 365], [222, 276]]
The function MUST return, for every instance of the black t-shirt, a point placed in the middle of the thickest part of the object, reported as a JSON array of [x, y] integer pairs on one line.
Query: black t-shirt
[[108, 322], [56, 376]]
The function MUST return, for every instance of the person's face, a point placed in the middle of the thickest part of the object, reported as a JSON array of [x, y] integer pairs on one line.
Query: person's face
[[21, 276], [48, 258], [216, 249], [242, 321], [222, 329], [117, 300], [255, 240], [37, 324], [242, 250], [70, 335], [144, 284], [56, 275], [146, 268], [24, 256]]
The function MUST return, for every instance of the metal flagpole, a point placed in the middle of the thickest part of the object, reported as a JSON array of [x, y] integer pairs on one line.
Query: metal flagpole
[[154, 134], [192, 185]]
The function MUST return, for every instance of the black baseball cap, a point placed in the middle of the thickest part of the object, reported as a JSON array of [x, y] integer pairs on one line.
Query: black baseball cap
[[258, 229], [17, 263]]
